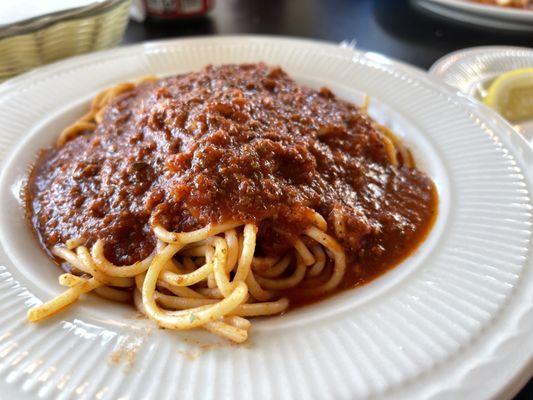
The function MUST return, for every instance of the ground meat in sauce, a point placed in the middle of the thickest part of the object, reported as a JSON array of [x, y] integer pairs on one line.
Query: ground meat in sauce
[[233, 142]]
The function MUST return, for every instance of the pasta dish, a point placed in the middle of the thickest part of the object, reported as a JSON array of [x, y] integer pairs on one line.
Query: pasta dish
[[211, 197]]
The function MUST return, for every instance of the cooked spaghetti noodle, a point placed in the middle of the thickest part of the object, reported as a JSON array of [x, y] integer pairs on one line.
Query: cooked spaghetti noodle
[[210, 198]]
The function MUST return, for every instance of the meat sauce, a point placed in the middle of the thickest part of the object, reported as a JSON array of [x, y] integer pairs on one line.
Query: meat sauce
[[233, 142]]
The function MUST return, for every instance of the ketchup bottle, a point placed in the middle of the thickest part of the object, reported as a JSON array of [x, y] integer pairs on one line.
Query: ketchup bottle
[[177, 9]]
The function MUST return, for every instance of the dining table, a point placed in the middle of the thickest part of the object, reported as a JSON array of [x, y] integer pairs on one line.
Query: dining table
[[394, 28]]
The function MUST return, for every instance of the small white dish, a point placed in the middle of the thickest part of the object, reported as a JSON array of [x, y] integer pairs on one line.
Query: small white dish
[[473, 70]]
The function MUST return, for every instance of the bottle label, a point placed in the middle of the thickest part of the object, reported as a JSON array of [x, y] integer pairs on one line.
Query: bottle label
[[177, 8]]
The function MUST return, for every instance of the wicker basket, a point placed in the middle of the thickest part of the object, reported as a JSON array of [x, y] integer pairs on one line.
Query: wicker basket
[[50, 38]]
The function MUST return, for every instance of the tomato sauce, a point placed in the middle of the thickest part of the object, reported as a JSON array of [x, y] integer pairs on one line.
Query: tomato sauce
[[233, 142]]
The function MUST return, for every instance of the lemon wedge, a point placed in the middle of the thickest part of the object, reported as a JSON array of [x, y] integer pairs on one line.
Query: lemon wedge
[[511, 94]]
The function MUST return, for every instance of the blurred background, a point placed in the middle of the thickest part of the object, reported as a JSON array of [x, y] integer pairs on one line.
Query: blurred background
[[34, 32], [396, 28]]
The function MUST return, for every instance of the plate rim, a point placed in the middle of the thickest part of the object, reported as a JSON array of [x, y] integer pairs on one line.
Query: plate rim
[[498, 121]]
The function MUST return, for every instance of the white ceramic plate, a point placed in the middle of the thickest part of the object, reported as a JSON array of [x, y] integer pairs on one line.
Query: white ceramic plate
[[473, 70], [444, 324], [488, 16]]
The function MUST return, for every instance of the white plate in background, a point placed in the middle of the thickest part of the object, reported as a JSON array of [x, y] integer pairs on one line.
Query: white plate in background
[[443, 324], [484, 15]]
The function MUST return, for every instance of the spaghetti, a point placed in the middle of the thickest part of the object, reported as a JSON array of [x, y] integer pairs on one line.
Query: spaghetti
[[235, 202]]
